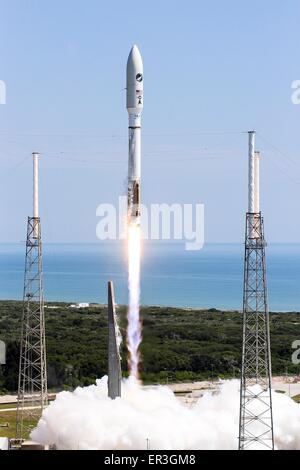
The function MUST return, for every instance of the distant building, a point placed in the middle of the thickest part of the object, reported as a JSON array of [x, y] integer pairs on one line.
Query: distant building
[[80, 305]]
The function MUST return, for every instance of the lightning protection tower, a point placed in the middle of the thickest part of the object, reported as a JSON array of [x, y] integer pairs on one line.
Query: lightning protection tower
[[32, 389], [256, 417]]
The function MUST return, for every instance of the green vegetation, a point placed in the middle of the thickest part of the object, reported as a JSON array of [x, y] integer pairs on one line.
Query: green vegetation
[[5, 406], [178, 345], [8, 424]]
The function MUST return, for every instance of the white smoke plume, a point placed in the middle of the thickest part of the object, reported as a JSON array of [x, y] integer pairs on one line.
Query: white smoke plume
[[88, 419]]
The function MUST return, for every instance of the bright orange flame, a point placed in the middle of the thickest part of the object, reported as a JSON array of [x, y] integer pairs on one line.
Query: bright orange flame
[[134, 333]]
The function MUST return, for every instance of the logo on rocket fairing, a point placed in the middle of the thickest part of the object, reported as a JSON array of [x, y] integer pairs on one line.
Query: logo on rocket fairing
[[139, 94], [139, 77]]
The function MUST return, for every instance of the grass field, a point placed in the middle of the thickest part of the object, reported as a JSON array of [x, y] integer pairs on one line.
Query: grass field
[[4, 406], [9, 417]]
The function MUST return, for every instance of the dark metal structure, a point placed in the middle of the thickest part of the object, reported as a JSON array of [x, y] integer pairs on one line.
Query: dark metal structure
[[32, 389], [256, 417], [114, 363]]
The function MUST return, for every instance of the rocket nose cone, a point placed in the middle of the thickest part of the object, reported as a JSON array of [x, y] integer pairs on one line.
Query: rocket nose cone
[[134, 61], [134, 49]]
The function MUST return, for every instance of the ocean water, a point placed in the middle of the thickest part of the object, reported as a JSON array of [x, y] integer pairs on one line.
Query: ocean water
[[212, 277]]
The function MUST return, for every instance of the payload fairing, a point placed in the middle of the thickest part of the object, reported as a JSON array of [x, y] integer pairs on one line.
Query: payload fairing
[[134, 104]]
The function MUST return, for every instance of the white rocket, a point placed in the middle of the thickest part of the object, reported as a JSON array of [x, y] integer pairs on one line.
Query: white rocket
[[134, 104]]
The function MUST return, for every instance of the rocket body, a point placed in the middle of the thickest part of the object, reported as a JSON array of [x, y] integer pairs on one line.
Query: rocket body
[[134, 104]]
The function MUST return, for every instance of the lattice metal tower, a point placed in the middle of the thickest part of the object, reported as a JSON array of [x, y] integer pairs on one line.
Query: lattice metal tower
[[256, 416], [32, 389]]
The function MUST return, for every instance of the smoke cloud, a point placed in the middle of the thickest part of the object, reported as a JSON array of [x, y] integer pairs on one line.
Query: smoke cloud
[[88, 419]]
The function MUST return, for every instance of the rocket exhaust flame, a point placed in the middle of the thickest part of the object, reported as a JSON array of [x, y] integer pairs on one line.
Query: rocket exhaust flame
[[134, 330]]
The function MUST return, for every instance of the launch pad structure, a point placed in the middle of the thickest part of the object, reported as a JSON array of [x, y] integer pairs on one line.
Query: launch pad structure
[[32, 386], [114, 363], [256, 414]]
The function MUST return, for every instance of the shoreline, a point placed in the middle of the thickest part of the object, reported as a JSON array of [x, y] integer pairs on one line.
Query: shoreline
[[68, 303]]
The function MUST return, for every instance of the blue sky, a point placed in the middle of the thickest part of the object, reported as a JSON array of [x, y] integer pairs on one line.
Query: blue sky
[[212, 70]]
